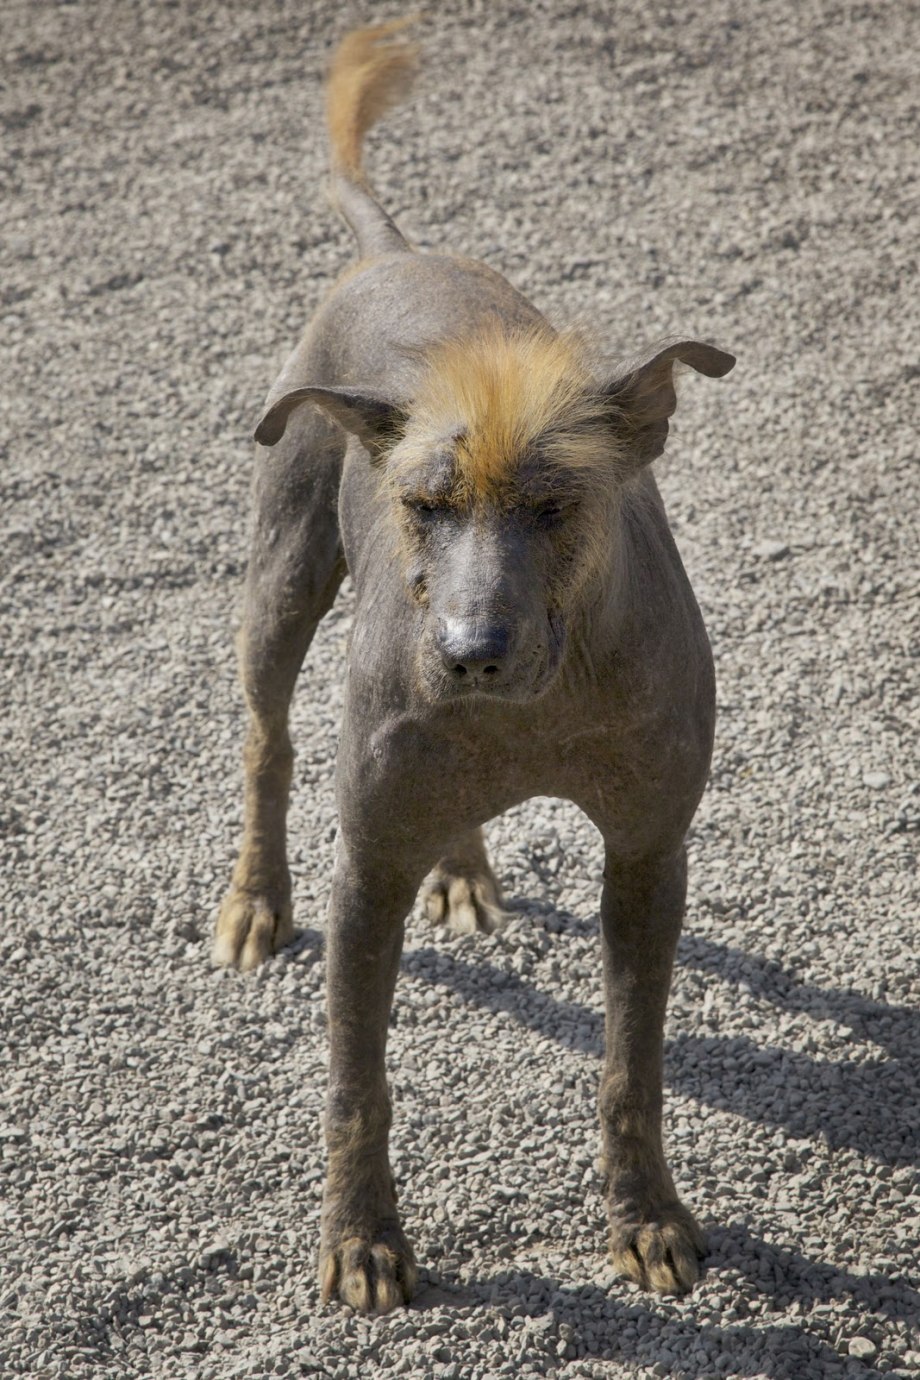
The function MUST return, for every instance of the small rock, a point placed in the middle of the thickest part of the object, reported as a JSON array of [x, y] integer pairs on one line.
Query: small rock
[[771, 550], [862, 1348], [211, 1253], [875, 780]]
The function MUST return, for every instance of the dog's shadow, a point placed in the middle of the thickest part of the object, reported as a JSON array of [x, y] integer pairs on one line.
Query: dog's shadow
[[854, 1102], [612, 1325]]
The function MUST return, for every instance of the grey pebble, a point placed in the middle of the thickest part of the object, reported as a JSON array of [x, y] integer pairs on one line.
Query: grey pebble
[[862, 1348], [771, 550]]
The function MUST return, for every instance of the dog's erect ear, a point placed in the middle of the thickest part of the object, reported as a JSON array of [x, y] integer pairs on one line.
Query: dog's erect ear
[[376, 421], [641, 393]]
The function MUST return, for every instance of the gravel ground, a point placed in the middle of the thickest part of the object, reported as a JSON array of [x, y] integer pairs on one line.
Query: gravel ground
[[747, 173]]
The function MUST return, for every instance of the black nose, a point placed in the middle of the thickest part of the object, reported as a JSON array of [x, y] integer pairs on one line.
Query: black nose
[[470, 648]]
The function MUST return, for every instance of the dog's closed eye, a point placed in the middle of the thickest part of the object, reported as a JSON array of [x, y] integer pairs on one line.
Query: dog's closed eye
[[425, 508]]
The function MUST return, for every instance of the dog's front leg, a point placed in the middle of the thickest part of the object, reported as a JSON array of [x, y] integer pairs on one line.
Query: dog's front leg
[[364, 1257], [296, 565], [653, 1238]]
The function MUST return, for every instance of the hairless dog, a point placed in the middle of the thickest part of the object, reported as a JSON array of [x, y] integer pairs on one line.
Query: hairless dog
[[523, 626]]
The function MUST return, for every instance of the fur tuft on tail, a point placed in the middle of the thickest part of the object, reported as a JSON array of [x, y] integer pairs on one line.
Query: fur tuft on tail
[[368, 76]]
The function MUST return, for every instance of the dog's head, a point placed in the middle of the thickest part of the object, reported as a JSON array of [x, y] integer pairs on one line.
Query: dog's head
[[503, 474]]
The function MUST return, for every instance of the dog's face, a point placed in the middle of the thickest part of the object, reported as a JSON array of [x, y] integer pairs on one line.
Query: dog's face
[[501, 483], [503, 475], [493, 569]]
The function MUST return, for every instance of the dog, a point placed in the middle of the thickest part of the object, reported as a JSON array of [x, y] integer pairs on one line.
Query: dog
[[523, 626]]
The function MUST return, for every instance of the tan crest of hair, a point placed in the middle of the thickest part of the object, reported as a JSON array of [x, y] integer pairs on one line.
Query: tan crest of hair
[[501, 393]]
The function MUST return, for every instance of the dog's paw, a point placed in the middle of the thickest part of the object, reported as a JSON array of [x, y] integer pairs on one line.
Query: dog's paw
[[661, 1254], [468, 901], [250, 928], [373, 1272]]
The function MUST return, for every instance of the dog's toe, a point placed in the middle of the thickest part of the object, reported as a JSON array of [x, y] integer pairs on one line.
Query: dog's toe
[[370, 1276], [663, 1255], [250, 929], [467, 903]]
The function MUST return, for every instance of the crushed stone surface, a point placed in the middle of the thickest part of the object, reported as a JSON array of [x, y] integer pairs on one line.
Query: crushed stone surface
[[745, 173]]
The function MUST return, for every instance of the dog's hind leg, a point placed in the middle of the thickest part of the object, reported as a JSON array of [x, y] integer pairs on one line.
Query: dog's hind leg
[[463, 891], [295, 569]]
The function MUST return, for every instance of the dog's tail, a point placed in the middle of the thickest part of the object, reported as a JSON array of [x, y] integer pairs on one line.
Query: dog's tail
[[370, 73]]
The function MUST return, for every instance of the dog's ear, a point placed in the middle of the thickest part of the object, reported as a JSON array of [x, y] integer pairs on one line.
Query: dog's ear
[[641, 393], [375, 420]]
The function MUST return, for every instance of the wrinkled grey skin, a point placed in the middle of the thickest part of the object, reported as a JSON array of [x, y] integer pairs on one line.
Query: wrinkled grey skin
[[610, 705]]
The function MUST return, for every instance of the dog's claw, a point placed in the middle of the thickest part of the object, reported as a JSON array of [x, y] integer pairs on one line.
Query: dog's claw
[[468, 904], [663, 1255], [250, 929], [370, 1276]]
